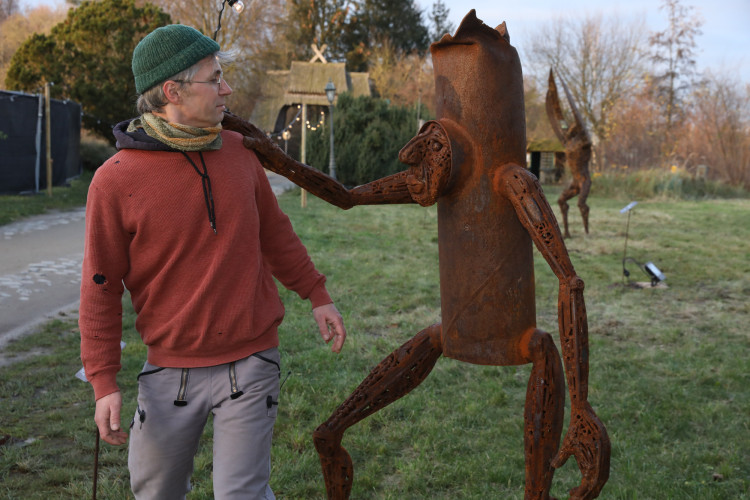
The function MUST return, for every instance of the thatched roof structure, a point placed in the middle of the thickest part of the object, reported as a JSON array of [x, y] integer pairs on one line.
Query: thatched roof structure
[[546, 144], [304, 83]]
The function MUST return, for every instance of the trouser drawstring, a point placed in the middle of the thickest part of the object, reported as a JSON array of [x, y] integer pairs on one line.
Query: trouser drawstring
[[182, 392], [233, 382]]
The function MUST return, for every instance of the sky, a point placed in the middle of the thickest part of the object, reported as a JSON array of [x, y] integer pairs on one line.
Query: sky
[[723, 48]]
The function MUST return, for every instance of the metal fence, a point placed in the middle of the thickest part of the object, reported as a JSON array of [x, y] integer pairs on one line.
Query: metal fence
[[23, 142]]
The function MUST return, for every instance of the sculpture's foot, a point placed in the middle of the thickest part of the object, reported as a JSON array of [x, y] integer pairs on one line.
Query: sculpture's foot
[[338, 471]]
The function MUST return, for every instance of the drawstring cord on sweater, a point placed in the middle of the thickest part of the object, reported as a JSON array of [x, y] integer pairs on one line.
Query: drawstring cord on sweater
[[207, 194]]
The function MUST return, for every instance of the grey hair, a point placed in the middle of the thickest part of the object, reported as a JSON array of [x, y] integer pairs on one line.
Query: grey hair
[[154, 99]]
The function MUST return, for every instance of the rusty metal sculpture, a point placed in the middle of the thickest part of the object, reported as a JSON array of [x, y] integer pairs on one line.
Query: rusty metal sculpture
[[577, 144], [490, 210]]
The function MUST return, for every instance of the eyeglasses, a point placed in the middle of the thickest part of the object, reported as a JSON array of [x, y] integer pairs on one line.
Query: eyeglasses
[[216, 81]]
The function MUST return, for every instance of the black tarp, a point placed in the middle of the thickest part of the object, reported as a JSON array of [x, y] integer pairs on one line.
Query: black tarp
[[23, 156]]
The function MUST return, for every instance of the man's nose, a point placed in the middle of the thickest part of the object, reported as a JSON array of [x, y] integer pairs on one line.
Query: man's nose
[[410, 154], [224, 88]]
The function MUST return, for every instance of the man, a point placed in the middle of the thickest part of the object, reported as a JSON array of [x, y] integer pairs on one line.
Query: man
[[183, 217]]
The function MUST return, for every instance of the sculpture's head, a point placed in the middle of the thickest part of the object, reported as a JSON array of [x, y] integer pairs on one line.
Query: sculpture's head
[[435, 156], [480, 109], [429, 158], [479, 86]]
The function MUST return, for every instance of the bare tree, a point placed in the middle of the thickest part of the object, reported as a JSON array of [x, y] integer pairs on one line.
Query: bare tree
[[602, 60], [636, 138], [8, 8], [404, 79], [673, 53], [19, 26], [253, 34], [321, 23], [538, 127], [717, 132]]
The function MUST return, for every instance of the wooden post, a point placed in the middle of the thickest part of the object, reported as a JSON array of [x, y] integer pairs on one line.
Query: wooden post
[[302, 155], [48, 135]]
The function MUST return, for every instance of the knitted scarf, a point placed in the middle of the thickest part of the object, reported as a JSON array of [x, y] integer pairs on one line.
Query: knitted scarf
[[178, 136]]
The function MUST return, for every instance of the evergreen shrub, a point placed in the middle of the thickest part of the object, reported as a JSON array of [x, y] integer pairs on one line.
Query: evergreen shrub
[[368, 134], [94, 152]]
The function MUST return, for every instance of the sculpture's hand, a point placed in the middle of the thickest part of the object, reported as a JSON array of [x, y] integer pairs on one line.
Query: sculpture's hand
[[588, 441]]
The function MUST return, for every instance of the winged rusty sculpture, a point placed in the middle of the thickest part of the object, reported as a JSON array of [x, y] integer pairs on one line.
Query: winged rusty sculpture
[[577, 143]]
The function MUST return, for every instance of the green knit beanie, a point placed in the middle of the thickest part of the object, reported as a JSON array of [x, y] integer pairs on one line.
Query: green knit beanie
[[166, 51]]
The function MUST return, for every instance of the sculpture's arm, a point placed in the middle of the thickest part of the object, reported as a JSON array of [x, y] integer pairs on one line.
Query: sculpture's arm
[[578, 130], [536, 216], [586, 438], [390, 189], [576, 133], [554, 110]]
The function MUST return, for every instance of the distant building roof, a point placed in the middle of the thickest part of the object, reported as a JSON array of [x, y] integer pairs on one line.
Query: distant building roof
[[304, 83]]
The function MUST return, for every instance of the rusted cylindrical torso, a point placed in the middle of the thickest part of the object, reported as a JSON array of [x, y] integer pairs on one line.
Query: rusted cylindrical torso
[[486, 277], [486, 263]]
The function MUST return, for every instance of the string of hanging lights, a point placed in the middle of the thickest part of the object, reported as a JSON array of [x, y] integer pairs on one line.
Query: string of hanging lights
[[288, 128], [237, 5]]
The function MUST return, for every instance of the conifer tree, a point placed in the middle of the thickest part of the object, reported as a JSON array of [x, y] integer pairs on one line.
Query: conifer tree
[[439, 21], [673, 52], [87, 57]]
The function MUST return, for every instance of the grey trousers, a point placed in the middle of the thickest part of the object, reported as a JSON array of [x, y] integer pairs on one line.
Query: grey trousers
[[173, 407]]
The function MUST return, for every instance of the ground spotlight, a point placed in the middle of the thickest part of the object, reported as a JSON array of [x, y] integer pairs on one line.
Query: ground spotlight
[[649, 267], [653, 271]]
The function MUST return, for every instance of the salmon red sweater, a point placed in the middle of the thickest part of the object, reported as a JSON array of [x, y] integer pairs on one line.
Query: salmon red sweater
[[201, 298]]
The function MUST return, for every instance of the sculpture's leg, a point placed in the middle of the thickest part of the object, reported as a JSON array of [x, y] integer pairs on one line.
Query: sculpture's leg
[[569, 193], [544, 414], [403, 370], [582, 206]]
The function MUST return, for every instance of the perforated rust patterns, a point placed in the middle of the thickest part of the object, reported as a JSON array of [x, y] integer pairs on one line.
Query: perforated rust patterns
[[577, 143], [491, 213]]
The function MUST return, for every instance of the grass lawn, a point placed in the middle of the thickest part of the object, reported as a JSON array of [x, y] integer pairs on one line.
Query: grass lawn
[[15, 207], [669, 376]]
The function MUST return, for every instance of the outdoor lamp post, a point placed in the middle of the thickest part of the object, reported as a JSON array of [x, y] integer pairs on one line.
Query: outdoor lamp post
[[331, 94]]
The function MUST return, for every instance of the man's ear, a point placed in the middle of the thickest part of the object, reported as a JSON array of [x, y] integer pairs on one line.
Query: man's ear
[[171, 91]]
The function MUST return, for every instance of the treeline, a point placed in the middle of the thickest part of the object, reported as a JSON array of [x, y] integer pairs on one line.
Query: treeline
[[380, 36], [646, 103]]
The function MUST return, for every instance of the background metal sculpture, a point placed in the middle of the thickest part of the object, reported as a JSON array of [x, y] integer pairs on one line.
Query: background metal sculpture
[[490, 210], [577, 143]]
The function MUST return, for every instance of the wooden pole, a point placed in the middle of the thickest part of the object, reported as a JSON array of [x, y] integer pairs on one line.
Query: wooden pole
[[302, 154], [48, 136]]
